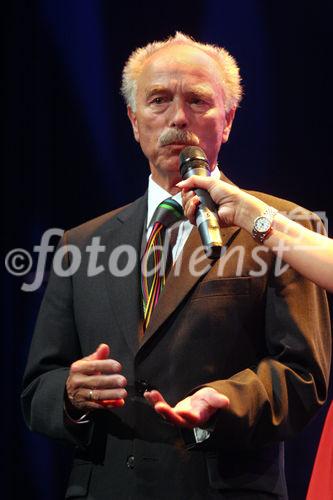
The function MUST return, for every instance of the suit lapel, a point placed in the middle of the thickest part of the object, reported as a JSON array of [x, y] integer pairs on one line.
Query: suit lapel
[[181, 280], [124, 291]]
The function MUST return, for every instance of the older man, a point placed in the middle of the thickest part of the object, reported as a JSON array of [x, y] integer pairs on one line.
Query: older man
[[184, 387]]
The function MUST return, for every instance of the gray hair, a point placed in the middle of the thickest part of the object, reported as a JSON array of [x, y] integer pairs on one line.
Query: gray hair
[[231, 81]]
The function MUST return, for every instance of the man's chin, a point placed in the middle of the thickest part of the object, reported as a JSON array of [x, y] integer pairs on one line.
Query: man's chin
[[172, 165]]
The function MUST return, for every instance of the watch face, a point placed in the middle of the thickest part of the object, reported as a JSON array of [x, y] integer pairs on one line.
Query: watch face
[[262, 224]]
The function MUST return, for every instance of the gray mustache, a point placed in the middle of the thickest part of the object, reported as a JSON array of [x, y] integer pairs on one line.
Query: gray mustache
[[175, 135]]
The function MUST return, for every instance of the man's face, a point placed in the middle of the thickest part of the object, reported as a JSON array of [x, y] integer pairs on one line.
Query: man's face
[[179, 102]]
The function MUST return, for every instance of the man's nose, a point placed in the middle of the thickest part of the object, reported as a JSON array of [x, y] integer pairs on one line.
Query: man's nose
[[178, 115]]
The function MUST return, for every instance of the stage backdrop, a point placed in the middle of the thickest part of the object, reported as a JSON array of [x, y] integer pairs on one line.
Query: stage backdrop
[[69, 154]]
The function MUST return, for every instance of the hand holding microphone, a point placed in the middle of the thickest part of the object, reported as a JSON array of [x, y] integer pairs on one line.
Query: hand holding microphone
[[193, 162], [234, 206]]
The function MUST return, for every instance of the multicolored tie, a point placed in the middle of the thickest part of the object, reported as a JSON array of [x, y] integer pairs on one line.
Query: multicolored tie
[[153, 264]]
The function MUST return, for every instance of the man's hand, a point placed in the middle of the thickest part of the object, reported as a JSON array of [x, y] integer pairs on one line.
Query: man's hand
[[95, 382], [193, 411]]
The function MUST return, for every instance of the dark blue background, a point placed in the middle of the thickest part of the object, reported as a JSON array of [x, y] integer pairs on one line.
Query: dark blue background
[[69, 155]]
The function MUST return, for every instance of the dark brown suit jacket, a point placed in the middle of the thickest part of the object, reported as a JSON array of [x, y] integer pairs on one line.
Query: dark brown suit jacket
[[263, 340]]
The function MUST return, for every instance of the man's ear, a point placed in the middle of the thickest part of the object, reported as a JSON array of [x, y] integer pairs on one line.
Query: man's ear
[[132, 116], [229, 118]]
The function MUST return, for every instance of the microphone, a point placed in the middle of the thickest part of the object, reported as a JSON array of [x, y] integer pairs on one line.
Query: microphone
[[193, 161]]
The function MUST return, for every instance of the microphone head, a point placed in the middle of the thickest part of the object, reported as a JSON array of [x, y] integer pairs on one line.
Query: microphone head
[[192, 153], [191, 157]]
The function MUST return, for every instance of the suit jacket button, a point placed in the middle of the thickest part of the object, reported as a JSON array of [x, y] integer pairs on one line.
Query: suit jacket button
[[130, 462], [141, 386]]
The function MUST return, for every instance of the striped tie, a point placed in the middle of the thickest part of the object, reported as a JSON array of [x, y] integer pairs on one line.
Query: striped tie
[[153, 265]]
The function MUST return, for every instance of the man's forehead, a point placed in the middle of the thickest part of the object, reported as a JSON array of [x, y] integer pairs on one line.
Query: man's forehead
[[178, 60], [155, 87]]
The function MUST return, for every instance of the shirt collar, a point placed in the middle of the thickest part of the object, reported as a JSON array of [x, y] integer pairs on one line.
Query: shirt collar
[[156, 194]]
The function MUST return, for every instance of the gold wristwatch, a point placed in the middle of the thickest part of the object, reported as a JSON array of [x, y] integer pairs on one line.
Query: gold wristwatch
[[262, 226]]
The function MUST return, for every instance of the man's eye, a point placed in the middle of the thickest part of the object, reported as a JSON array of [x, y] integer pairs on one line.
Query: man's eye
[[197, 100], [157, 100]]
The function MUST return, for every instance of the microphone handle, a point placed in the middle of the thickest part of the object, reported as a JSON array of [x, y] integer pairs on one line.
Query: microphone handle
[[208, 225]]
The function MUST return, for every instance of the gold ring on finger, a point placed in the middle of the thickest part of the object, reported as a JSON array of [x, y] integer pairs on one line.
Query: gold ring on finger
[[91, 395]]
